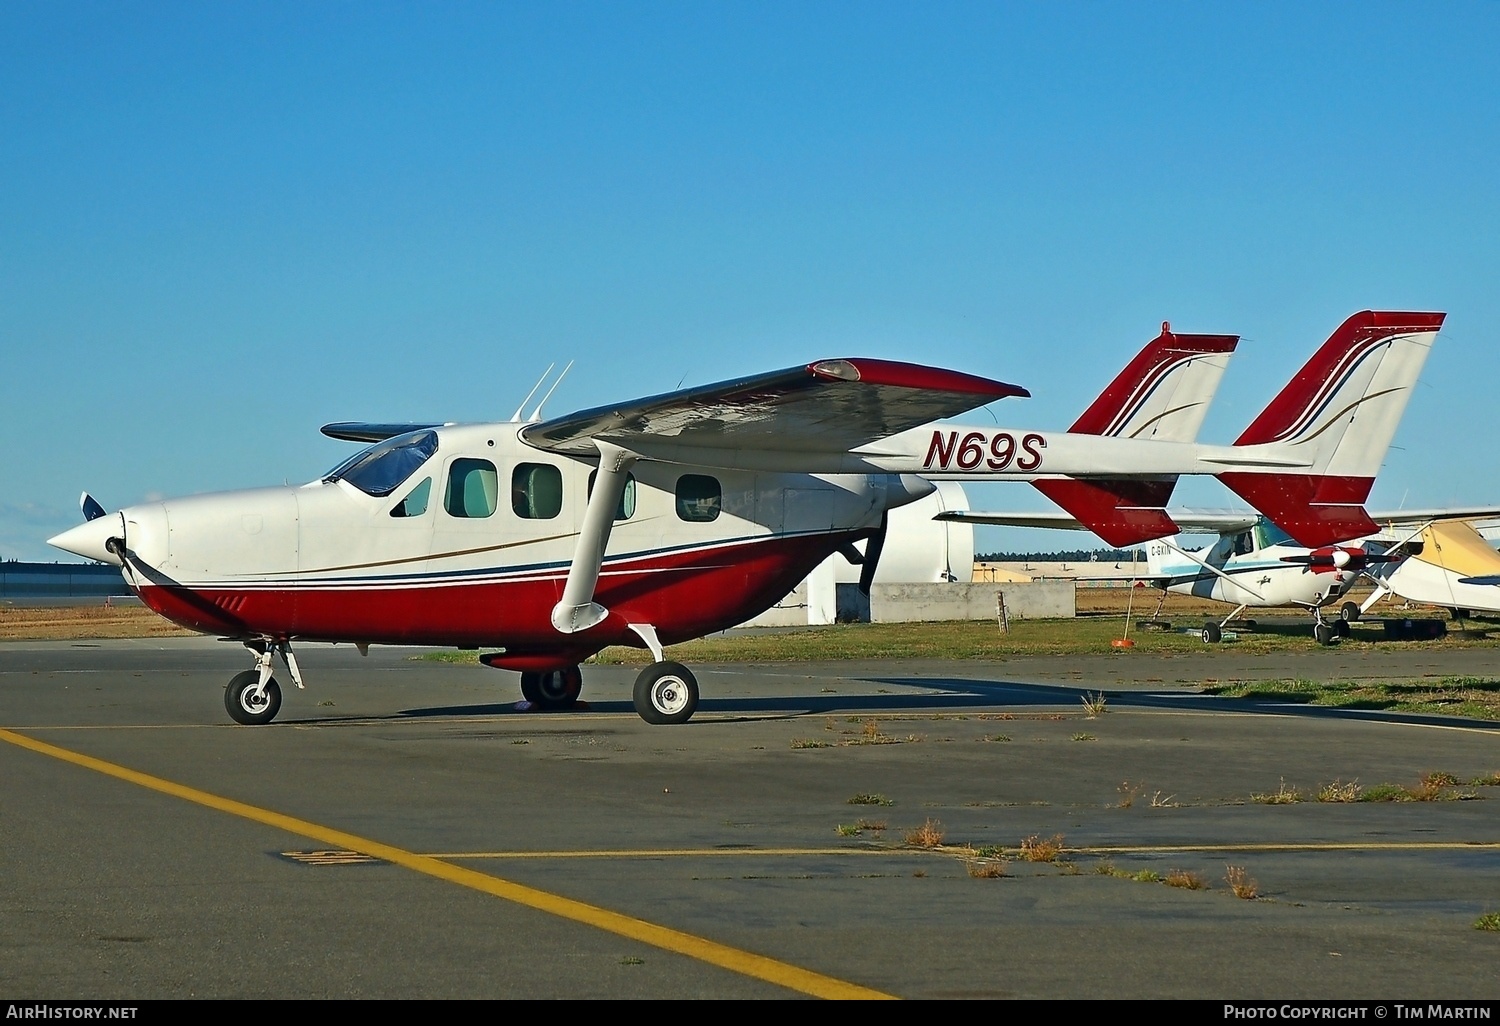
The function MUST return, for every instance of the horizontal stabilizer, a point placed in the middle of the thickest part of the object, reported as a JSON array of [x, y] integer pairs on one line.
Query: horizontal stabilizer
[[1122, 511]]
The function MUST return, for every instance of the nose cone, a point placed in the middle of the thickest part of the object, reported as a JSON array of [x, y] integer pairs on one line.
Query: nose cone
[[89, 539]]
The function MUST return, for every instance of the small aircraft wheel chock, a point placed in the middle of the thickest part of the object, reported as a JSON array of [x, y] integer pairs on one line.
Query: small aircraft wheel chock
[[555, 689], [1349, 612], [1323, 634], [1211, 633], [249, 704], [666, 692]]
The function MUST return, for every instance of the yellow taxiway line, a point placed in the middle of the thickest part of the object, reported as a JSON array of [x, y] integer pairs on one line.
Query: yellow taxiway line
[[711, 952]]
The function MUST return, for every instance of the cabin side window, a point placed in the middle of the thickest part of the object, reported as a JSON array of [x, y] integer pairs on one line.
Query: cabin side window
[[699, 498], [625, 509], [415, 503], [536, 491], [473, 486]]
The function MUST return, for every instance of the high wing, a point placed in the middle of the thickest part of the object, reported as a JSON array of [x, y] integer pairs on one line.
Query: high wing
[[824, 408], [358, 431], [1412, 518], [1190, 521]]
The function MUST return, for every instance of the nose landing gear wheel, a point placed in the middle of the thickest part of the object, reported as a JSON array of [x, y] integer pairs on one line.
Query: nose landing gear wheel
[[249, 704], [666, 692], [1323, 634]]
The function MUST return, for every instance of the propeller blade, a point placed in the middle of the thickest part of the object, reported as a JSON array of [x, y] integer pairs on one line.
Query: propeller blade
[[872, 556]]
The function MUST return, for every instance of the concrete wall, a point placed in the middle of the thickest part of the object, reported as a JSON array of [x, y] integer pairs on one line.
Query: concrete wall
[[907, 603]]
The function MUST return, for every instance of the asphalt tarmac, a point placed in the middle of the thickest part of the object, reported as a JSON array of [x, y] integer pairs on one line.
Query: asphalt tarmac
[[404, 831]]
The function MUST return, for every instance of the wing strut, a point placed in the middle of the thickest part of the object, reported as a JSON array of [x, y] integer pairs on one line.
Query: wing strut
[[576, 610]]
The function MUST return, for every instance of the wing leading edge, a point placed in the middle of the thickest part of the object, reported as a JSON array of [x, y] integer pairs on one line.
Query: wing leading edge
[[830, 406]]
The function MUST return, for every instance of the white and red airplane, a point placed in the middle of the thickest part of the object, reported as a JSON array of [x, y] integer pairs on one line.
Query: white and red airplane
[[662, 519]]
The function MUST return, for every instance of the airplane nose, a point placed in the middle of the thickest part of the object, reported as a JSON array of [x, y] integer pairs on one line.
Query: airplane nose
[[91, 539]]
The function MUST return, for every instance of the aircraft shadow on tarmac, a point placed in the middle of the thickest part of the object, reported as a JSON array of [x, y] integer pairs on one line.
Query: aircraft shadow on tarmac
[[942, 694]]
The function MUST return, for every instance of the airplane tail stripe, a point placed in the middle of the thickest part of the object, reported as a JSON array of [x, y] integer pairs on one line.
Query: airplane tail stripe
[[1146, 388], [1331, 387]]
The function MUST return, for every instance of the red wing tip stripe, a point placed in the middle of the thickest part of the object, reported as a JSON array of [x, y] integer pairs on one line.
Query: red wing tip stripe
[[912, 375]]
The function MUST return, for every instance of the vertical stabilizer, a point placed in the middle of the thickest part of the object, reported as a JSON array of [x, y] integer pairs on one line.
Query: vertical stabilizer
[[1339, 413], [1162, 395]]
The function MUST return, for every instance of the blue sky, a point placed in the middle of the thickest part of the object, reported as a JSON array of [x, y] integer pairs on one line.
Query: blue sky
[[223, 225]]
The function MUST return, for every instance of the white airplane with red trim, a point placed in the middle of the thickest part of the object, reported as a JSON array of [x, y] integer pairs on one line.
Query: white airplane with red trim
[[658, 520]]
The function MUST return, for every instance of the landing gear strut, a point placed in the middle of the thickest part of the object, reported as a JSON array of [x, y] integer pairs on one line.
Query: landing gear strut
[[253, 697]]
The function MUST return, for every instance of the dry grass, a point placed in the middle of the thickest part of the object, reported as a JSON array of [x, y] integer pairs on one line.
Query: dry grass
[[808, 742], [928, 835], [1039, 849], [1241, 884], [985, 870], [1338, 791], [68, 623], [1094, 704], [1129, 793], [1186, 879], [1163, 801], [1283, 795]]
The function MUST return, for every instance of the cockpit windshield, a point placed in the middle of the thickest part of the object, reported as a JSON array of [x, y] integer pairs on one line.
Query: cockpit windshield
[[1268, 534], [381, 469]]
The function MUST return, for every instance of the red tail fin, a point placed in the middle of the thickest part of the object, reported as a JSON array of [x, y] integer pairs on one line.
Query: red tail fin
[[1339, 413]]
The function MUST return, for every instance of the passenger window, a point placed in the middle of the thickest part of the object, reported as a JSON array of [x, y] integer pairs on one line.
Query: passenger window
[[415, 503], [699, 498], [536, 491], [472, 489], [626, 509]]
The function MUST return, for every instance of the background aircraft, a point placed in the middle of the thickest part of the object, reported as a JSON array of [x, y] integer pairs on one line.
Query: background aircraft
[[1254, 564], [717, 499], [1451, 566]]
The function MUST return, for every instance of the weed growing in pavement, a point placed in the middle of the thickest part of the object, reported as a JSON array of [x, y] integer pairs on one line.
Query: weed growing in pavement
[[1094, 705], [928, 835], [1489, 922], [982, 870], [1129, 793], [1241, 884], [1338, 791], [1039, 849], [870, 799], [1186, 879], [1283, 795]]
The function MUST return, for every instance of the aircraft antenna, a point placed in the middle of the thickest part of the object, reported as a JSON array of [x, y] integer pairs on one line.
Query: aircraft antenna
[[516, 417], [536, 414]]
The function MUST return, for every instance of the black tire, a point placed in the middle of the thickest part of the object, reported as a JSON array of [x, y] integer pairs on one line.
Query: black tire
[[557, 689], [529, 689], [666, 692], [1211, 633], [1341, 628], [1349, 612], [1323, 634], [244, 706]]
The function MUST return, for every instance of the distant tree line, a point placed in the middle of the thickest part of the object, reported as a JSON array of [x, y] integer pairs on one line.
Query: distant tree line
[[1071, 556]]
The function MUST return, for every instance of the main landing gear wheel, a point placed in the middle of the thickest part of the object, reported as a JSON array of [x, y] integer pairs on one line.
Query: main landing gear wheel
[[555, 689], [1211, 633], [666, 692], [1323, 634], [1349, 612], [250, 704]]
